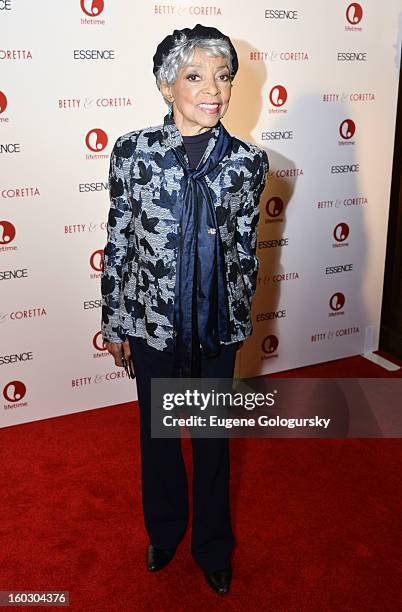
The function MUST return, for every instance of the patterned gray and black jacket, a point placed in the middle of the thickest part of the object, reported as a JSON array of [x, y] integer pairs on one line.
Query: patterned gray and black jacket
[[143, 229]]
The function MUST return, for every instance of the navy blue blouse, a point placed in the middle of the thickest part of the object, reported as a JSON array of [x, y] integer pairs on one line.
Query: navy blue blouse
[[195, 147]]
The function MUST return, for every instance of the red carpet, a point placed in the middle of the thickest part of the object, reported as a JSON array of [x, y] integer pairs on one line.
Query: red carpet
[[318, 522]]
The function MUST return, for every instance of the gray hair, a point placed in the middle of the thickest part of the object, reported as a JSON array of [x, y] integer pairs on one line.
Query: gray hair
[[182, 55]]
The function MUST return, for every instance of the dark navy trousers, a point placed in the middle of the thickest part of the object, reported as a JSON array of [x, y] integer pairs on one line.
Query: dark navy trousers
[[164, 478]]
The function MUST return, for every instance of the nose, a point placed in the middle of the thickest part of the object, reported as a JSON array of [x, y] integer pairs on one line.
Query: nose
[[211, 86]]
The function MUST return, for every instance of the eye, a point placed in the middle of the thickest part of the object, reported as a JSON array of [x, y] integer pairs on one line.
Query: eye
[[190, 76], [224, 77]]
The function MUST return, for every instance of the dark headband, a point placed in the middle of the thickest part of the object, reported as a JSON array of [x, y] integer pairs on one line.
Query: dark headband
[[199, 31]]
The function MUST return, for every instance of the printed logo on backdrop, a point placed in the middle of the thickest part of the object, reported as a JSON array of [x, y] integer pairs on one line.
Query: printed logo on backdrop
[[19, 192], [278, 277], [78, 228], [16, 357], [81, 228], [91, 304], [7, 235], [10, 147], [351, 56], [99, 378], [340, 234], [92, 8], [282, 14], [94, 54], [273, 315], [14, 392], [278, 96], [339, 202], [93, 11], [273, 243], [182, 10], [333, 334], [282, 135], [3, 106], [354, 15], [98, 345], [5, 5], [336, 303], [96, 262], [344, 168], [338, 269], [19, 315], [11, 274], [93, 187], [285, 173], [96, 141], [91, 103], [347, 130], [353, 96], [274, 208], [15, 54], [278, 56], [269, 346]]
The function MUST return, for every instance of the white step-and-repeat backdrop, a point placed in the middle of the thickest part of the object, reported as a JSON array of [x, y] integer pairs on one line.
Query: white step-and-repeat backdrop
[[317, 88]]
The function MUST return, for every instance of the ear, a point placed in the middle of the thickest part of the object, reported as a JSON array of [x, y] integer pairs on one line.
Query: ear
[[166, 91]]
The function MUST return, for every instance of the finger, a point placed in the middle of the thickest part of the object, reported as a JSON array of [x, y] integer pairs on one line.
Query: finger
[[127, 351], [118, 360], [117, 354]]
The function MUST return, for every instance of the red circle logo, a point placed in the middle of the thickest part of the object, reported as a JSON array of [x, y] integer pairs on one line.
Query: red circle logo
[[347, 129], [97, 341], [354, 13], [270, 344], [96, 140], [3, 102], [14, 391], [7, 232], [337, 301], [274, 206], [96, 260], [278, 95], [341, 232], [92, 8]]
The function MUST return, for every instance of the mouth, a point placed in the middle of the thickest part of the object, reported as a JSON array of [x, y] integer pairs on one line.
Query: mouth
[[210, 108]]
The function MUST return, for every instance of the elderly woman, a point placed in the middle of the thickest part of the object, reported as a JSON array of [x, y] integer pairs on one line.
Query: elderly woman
[[179, 275]]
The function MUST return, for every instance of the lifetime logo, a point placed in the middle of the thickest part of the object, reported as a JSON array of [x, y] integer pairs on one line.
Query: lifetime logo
[[92, 8], [347, 129], [274, 206], [341, 232], [7, 232], [278, 95], [97, 342], [14, 391], [96, 260], [337, 302], [96, 140], [270, 344], [3, 102], [354, 13]]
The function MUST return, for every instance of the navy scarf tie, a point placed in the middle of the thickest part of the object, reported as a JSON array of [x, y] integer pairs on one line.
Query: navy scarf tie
[[200, 263]]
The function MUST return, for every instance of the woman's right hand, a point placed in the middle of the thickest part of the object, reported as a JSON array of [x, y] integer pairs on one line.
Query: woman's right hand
[[116, 349]]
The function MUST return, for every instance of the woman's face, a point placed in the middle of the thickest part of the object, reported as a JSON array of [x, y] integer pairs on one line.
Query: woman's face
[[200, 94]]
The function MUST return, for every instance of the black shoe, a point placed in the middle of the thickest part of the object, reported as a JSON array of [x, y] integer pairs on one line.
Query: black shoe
[[219, 580], [157, 558]]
